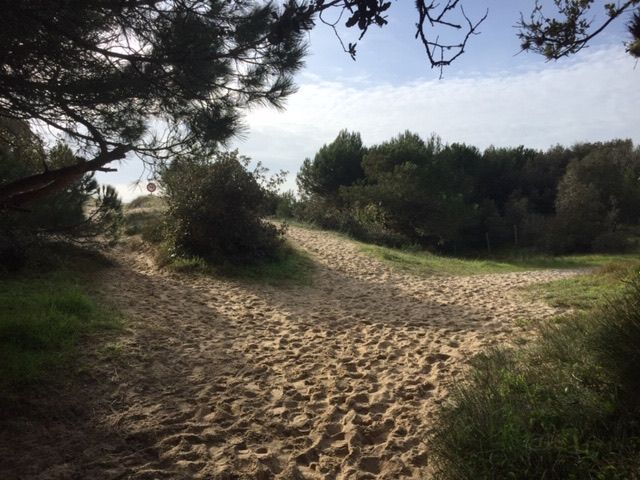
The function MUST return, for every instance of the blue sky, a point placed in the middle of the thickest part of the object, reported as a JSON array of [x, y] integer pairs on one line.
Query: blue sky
[[490, 95], [391, 54]]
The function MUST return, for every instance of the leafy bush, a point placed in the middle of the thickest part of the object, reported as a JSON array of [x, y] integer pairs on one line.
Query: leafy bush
[[325, 214], [566, 407], [362, 223], [285, 205], [215, 210]]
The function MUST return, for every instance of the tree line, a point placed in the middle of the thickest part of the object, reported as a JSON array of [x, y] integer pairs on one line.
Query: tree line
[[456, 198], [168, 81], [104, 73]]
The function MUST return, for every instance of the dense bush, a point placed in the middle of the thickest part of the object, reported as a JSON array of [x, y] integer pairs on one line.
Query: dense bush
[[617, 341], [216, 208], [566, 407], [285, 205], [365, 223]]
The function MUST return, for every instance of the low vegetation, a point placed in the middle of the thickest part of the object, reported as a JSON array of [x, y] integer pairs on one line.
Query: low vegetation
[[145, 216], [45, 310], [566, 406], [584, 292], [421, 262], [289, 267]]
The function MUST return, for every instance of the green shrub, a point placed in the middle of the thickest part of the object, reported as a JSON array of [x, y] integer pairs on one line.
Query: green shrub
[[153, 230], [285, 205], [362, 223], [565, 407], [617, 345], [215, 209]]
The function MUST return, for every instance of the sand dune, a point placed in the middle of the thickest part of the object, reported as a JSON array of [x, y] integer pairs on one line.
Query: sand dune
[[224, 380]]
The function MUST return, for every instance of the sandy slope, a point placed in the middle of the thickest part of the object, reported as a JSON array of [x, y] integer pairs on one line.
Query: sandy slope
[[223, 380]]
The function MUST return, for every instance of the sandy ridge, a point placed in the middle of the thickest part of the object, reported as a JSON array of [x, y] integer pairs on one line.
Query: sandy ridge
[[224, 380]]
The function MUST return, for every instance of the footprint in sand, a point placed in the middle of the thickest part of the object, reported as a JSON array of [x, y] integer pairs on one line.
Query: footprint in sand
[[340, 379]]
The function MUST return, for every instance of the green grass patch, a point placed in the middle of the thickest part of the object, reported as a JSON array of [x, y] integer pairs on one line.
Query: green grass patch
[[425, 263], [42, 318], [567, 406], [291, 267], [584, 292]]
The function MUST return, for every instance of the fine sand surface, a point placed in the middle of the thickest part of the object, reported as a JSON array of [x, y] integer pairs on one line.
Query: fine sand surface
[[220, 379]]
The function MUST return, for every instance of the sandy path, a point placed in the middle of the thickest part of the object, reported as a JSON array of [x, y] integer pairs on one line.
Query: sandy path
[[223, 380]]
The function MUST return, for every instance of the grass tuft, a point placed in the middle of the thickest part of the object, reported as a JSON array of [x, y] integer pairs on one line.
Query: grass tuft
[[584, 292], [567, 406], [425, 263], [42, 317], [291, 267]]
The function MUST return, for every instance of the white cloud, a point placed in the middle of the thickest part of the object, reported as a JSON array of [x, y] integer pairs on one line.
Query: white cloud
[[126, 191], [593, 97], [590, 98]]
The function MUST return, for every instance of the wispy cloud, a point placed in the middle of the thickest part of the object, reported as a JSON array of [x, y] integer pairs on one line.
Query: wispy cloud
[[593, 97]]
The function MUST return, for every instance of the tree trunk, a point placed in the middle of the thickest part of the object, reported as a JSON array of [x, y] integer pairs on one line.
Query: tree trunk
[[33, 187]]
